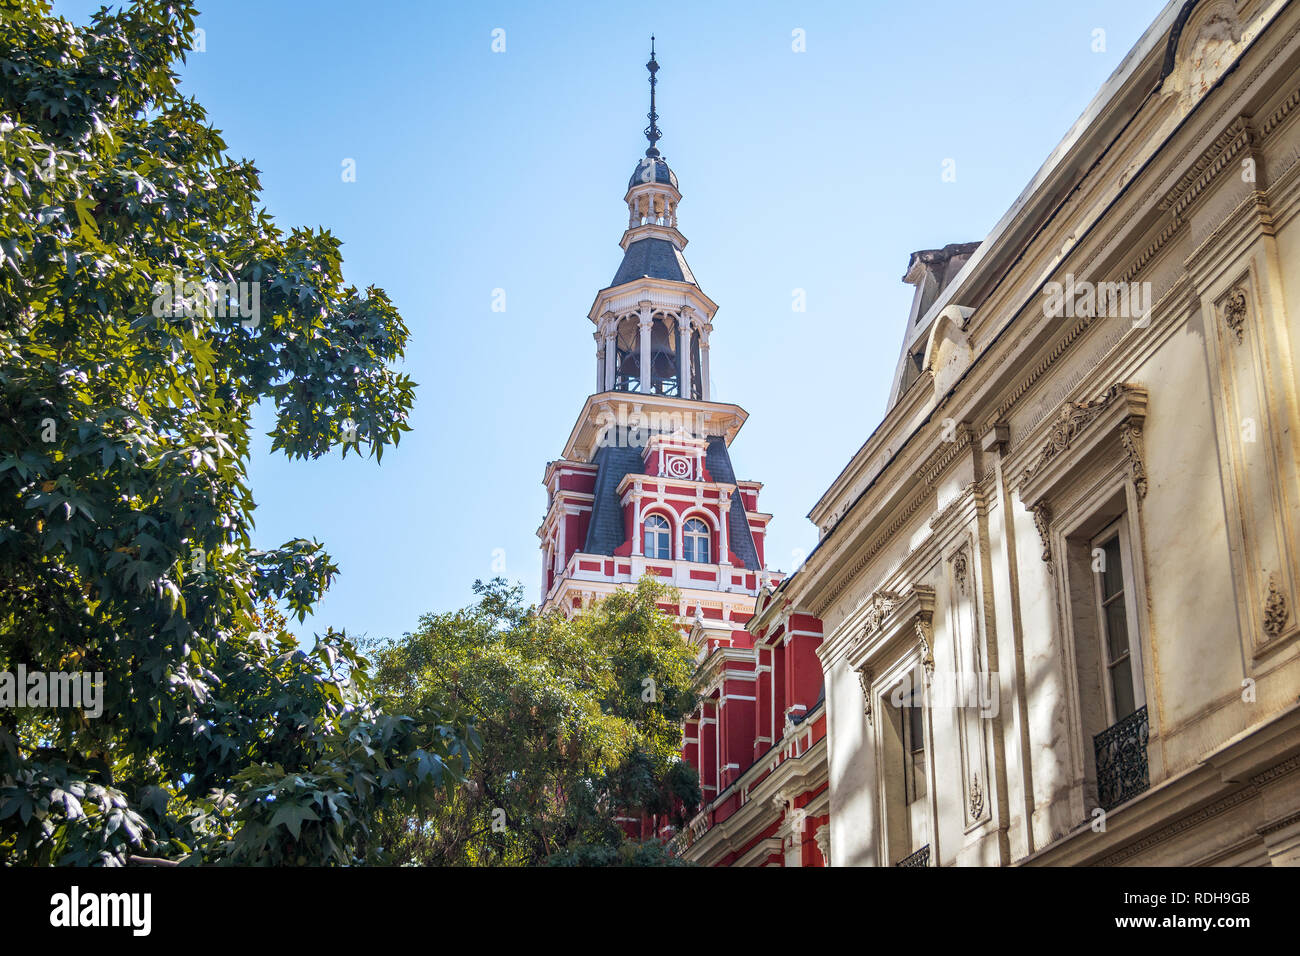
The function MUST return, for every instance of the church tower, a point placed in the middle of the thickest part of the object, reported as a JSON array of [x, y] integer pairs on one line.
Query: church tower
[[645, 484]]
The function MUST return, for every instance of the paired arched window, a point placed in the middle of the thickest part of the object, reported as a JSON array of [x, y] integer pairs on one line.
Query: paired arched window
[[695, 541], [657, 543]]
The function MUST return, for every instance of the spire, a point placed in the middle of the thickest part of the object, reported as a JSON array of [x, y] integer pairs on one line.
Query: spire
[[652, 131]]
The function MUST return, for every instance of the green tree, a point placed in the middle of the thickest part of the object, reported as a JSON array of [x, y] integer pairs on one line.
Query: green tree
[[127, 380], [581, 724]]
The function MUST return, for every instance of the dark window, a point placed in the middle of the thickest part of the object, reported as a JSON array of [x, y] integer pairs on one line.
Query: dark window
[[1112, 605], [914, 764], [695, 541], [656, 543]]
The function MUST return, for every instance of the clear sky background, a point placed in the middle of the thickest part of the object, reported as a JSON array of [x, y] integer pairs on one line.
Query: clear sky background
[[817, 170]]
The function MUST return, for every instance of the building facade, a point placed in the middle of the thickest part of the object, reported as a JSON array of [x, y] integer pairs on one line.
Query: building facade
[[1058, 583], [1051, 618]]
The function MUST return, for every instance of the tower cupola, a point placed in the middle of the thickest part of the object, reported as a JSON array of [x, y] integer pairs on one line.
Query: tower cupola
[[652, 194], [652, 321]]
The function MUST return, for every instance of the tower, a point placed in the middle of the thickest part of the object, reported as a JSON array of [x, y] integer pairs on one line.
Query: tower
[[645, 483], [646, 486]]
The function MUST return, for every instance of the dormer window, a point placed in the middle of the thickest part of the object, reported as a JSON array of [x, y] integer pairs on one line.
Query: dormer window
[[657, 544], [695, 541]]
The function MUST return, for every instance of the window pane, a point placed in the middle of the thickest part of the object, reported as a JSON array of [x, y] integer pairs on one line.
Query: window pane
[[914, 751], [656, 537], [915, 726], [907, 757], [1116, 629], [1121, 683], [1112, 578]]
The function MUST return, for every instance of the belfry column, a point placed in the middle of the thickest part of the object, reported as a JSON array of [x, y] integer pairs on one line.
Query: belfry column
[[704, 361], [644, 367], [684, 354], [610, 331], [600, 361]]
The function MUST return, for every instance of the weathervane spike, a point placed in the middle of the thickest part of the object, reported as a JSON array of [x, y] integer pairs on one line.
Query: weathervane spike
[[652, 131]]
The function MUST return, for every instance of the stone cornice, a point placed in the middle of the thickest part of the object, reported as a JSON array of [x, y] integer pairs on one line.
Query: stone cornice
[[716, 417], [846, 578], [941, 516], [651, 230], [714, 669], [1079, 427], [924, 479], [669, 294], [1276, 118], [885, 625], [1207, 167]]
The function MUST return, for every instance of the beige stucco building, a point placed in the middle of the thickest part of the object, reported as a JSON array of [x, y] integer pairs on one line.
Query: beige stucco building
[[1058, 583]]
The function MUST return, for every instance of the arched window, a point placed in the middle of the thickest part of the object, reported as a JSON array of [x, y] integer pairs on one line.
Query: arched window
[[656, 543], [695, 541]]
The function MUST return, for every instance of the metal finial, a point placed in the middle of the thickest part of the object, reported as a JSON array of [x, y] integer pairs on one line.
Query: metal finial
[[652, 131]]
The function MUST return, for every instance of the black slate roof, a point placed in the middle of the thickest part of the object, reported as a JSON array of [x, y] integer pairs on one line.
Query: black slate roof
[[614, 462], [642, 174], [739, 537], [821, 699], [656, 258]]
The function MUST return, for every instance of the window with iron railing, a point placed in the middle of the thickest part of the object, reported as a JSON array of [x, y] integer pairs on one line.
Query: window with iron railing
[[1121, 748], [920, 858], [1121, 752]]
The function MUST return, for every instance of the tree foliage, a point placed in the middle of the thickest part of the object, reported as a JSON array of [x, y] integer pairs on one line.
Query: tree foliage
[[125, 514], [581, 724]]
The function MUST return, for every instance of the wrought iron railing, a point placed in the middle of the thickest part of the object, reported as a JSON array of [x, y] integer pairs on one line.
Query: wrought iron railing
[[920, 858], [1122, 760]]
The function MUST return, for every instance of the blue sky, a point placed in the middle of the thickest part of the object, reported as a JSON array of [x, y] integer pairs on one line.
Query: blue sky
[[816, 170]]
